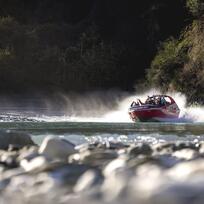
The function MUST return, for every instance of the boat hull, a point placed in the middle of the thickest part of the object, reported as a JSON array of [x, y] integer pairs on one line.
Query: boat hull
[[153, 114]]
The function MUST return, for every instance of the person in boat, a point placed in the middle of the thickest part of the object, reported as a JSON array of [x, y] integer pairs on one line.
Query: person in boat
[[134, 104], [140, 102], [147, 100], [162, 101], [157, 101], [150, 101]]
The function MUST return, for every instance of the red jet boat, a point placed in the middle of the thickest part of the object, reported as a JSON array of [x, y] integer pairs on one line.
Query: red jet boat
[[156, 108]]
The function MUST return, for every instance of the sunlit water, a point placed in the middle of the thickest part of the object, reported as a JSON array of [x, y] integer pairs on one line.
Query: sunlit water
[[129, 133]]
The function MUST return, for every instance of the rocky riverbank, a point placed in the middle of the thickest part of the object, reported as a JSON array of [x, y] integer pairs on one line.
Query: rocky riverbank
[[57, 171]]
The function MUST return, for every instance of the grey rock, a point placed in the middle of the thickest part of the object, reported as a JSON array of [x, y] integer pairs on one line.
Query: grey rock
[[11, 173], [135, 162], [16, 138], [114, 145], [74, 158], [115, 165], [34, 188], [99, 173], [55, 148], [186, 145], [39, 163], [10, 159], [89, 180], [186, 154], [201, 148], [115, 185], [68, 174], [28, 153], [178, 193], [14, 147], [98, 157], [139, 149], [167, 160], [186, 170], [164, 148], [84, 147]]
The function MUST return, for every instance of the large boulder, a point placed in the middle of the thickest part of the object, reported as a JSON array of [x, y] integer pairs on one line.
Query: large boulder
[[15, 138], [56, 148]]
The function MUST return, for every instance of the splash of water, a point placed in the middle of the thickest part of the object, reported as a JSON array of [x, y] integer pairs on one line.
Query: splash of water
[[97, 107], [120, 114]]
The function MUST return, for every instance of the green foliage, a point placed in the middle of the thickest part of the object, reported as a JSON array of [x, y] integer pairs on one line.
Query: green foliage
[[179, 64], [196, 7], [168, 63], [191, 81]]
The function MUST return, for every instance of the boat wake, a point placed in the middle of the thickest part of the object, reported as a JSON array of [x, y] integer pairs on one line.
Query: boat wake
[[192, 114]]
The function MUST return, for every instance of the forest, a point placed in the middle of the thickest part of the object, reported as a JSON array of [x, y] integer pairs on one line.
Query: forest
[[79, 46]]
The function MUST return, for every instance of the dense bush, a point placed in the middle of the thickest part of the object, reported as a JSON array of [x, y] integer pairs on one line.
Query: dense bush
[[196, 7], [168, 63], [179, 63]]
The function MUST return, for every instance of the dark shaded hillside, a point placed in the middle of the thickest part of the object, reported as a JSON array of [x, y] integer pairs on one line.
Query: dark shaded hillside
[[77, 45], [179, 63]]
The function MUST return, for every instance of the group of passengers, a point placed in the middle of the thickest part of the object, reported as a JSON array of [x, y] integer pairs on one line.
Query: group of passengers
[[159, 101], [156, 100]]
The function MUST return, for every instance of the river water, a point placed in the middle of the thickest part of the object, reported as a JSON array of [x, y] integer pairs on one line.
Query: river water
[[169, 153], [82, 132], [91, 117]]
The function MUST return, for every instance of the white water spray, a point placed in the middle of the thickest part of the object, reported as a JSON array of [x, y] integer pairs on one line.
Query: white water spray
[[109, 106], [112, 107], [120, 114]]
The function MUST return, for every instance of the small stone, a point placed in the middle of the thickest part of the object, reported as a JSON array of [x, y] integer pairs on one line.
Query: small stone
[[185, 145], [116, 145], [185, 170], [166, 160], [68, 174], [143, 149], [116, 164], [14, 147], [186, 154], [28, 153], [98, 157], [164, 148], [10, 159], [88, 180], [114, 187], [12, 173], [38, 163], [74, 158], [201, 149]]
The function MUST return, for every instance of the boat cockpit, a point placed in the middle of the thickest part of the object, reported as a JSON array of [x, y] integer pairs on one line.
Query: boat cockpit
[[155, 100]]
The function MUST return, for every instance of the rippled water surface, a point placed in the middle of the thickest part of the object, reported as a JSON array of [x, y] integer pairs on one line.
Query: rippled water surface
[[81, 132]]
